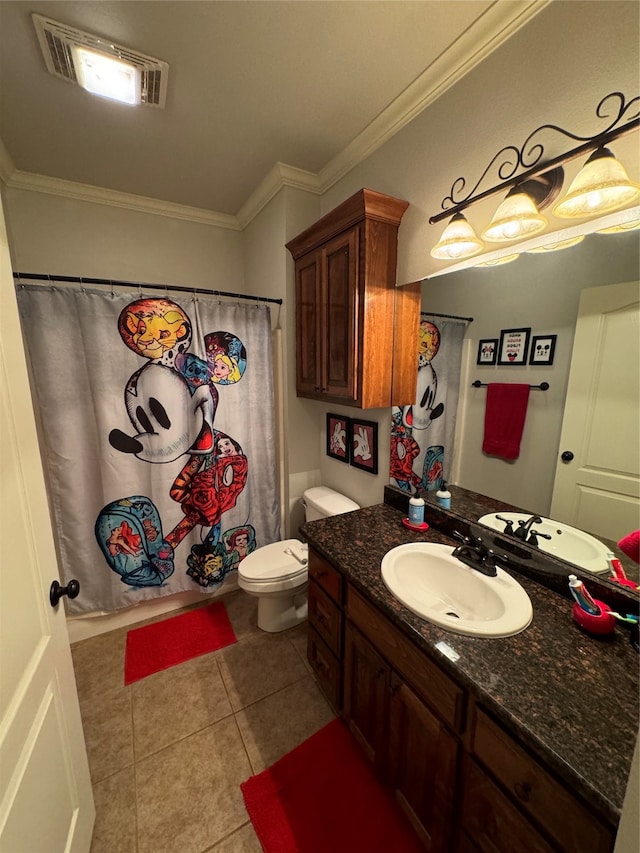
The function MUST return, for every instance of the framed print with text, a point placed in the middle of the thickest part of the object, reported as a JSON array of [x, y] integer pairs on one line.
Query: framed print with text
[[338, 437], [487, 351], [364, 445], [514, 346], [543, 348]]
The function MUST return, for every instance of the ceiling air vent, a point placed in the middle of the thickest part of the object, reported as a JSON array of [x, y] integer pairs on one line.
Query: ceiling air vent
[[56, 41]]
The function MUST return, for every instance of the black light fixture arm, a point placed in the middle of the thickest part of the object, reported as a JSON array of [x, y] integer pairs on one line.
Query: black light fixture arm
[[528, 157]]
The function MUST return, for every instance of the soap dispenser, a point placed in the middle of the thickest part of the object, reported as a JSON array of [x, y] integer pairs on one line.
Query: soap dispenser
[[443, 496]]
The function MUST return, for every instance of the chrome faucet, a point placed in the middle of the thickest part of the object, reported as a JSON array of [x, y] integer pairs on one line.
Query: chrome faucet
[[475, 554]]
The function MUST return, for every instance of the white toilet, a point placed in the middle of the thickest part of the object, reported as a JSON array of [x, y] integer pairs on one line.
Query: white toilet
[[277, 573]]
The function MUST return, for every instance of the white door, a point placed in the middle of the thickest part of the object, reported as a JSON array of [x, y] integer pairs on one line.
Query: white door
[[46, 802], [597, 485]]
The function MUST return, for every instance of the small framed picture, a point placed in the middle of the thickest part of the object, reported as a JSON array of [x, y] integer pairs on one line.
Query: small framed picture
[[364, 445], [543, 348], [338, 437], [487, 351], [514, 346]]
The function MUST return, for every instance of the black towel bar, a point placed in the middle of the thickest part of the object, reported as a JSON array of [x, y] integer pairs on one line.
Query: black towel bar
[[543, 386]]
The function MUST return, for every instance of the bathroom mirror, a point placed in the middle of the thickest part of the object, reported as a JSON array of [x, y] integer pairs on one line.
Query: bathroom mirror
[[540, 291]]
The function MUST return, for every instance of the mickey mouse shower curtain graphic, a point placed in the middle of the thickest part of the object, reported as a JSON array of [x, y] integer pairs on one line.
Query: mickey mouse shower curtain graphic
[[157, 428]]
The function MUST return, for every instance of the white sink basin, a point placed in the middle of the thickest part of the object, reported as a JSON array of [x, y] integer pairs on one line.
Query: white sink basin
[[432, 583], [567, 543]]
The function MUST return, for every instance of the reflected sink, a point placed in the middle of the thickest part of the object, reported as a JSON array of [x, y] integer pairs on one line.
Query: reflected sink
[[433, 584], [567, 543]]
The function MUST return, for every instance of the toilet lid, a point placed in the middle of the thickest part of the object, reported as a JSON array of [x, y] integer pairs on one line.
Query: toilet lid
[[273, 562]]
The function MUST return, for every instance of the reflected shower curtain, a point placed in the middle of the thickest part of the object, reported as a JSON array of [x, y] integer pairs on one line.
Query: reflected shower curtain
[[422, 435], [157, 423]]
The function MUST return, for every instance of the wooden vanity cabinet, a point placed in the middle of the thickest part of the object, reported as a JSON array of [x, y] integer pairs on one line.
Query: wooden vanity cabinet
[[465, 783], [356, 333]]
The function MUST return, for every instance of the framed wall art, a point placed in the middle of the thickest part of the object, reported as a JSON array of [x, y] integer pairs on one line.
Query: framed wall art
[[514, 346], [543, 348], [487, 351], [338, 437], [364, 445]]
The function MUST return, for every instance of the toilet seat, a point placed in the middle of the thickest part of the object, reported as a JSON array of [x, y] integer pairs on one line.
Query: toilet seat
[[271, 568]]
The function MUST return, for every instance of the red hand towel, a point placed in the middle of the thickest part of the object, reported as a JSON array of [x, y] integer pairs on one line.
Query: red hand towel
[[630, 545], [504, 417]]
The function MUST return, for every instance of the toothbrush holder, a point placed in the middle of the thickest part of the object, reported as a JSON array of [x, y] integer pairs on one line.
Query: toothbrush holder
[[595, 623]]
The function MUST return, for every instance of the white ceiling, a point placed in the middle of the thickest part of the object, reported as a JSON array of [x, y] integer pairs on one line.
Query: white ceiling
[[314, 85]]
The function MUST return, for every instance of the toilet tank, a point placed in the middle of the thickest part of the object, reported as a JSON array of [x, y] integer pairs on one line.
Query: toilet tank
[[320, 502]]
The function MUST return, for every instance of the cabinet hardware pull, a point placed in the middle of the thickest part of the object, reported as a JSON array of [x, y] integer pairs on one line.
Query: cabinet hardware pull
[[379, 672], [523, 791]]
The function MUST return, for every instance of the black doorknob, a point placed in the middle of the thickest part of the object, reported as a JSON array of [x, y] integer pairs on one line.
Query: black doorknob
[[56, 591], [567, 456]]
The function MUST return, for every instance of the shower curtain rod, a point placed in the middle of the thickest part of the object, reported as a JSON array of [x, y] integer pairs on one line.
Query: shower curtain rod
[[175, 288], [448, 316]]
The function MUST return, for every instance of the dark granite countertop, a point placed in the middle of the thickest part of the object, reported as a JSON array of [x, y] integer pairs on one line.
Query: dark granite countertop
[[570, 697]]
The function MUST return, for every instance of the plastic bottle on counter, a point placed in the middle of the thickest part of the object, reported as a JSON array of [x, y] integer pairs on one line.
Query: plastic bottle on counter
[[443, 496], [416, 510]]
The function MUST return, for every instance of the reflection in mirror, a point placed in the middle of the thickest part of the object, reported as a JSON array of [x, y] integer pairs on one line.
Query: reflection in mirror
[[542, 292]]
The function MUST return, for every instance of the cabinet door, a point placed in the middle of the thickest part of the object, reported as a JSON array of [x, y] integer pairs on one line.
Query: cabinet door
[[308, 310], [422, 766], [366, 682], [339, 332]]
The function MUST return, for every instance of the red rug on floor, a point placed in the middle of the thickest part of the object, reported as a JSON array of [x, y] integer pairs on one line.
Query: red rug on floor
[[177, 639], [324, 798]]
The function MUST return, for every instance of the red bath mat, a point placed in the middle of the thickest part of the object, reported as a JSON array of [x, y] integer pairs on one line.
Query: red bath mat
[[169, 642], [323, 796]]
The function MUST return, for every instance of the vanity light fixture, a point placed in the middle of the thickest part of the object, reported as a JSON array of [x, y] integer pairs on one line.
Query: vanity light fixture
[[458, 241], [622, 228], [532, 183], [600, 186], [557, 245]]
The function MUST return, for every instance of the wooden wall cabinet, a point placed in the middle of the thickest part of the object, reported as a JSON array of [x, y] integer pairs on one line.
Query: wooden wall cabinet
[[463, 781], [356, 332]]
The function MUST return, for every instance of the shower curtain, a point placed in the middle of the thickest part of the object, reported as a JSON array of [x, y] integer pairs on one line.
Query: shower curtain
[[422, 435], [156, 418]]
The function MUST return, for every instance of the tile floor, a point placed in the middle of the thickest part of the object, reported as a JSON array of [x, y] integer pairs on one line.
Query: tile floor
[[168, 753]]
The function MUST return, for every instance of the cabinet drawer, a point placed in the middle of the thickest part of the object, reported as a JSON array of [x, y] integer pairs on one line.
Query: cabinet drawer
[[493, 822], [326, 618], [536, 791], [434, 687], [326, 576], [326, 668]]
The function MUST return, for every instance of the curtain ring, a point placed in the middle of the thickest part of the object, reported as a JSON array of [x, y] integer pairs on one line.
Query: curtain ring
[[112, 290], [82, 287], [139, 290]]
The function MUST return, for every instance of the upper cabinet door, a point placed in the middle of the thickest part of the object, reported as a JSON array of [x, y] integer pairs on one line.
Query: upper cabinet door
[[338, 320]]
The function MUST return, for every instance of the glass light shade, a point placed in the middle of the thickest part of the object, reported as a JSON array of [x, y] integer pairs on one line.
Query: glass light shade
[[458, 241], [516, 218], [559, 244], [499, 261], [601, 185], [633, 225], [106, 75]]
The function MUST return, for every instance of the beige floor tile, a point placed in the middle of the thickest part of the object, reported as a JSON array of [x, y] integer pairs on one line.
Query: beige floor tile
[[257, 667], [244, 840], [99, 664], [188, 796], [115, 826], [108, 732], [298, 638], [177, 702], [243, 614], [274, 726]]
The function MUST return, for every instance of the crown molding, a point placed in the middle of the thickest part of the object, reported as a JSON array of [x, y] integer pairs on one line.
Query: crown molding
[[488, 32], [279, 176], [114, 198]]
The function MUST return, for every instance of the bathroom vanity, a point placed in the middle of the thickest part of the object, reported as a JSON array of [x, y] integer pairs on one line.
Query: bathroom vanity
[[518, 743]]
